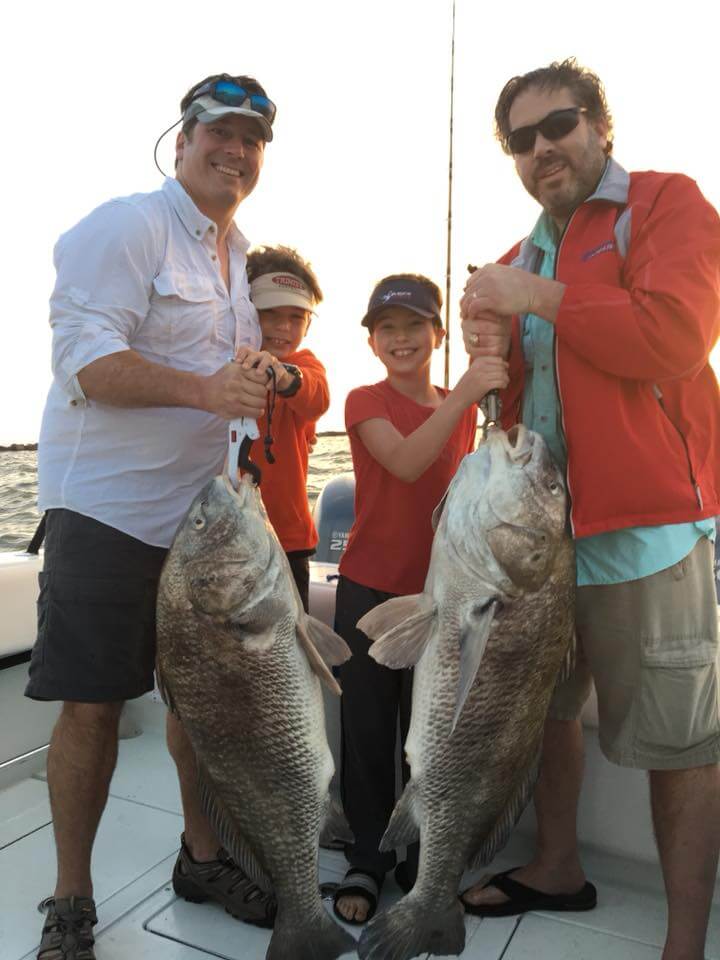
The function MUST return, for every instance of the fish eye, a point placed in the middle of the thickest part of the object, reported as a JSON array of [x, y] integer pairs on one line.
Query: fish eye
[[199, 523], [554, 487]]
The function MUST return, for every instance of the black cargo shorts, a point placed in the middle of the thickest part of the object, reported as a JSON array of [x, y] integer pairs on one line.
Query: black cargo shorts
[[96, 613]]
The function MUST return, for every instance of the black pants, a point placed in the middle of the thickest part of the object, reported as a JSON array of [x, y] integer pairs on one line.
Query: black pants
[[372, 697], [300, 567]]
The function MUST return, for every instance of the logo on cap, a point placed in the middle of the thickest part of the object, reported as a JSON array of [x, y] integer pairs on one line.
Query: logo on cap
[[395, 293], [289, 282]]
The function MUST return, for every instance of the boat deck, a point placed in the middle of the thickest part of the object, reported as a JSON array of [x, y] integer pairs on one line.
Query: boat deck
[[140, 917]]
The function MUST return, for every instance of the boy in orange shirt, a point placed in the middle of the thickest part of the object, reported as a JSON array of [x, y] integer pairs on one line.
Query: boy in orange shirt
[[407, 439], [285, 292]]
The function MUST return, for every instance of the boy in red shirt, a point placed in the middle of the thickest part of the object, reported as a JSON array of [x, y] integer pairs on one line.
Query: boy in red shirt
[[407, 439], [285, 292]]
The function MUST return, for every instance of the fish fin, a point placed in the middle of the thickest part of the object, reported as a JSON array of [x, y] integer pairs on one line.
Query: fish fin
[[335, 826], [503, 827], [164, 690], [403, 827], [317, 664], [401, 629], [568, 664], [328, 644], [316, 937], [226, 831], [413, 928], [437, 512], [473, 642]]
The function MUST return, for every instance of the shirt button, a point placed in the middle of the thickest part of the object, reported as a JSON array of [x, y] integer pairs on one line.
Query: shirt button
[[543, 367], [197, 233], [543, 419], [213, 257]]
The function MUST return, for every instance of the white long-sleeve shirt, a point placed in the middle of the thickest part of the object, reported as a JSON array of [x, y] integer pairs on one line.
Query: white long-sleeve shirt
[[139, 273]]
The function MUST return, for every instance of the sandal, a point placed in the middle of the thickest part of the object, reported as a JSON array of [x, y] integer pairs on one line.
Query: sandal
[[523, 898], [67, 931], [358, 883]]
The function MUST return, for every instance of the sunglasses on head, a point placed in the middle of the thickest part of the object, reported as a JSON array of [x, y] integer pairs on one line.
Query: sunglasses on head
[[554, 126], [233, 95]]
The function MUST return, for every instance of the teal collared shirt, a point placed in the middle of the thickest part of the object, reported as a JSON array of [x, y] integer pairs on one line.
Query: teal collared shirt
[[620, 555]]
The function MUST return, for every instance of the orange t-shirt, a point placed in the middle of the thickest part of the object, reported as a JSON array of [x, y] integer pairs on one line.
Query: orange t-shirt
[[293, 426], [390, 541]]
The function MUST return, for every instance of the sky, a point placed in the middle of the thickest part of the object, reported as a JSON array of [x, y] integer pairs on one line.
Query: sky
[[357, 175]]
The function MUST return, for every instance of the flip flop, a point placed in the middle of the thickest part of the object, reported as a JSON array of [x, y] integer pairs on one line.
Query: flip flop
[[523, 898], [358, 883]]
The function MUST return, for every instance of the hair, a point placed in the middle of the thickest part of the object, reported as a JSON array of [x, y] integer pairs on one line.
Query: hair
[[249, 83], [585, 86], [283, 260], [420, 278]]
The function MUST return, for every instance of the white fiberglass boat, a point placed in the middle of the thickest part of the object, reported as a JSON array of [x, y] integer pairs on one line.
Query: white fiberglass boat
[[140, 918]]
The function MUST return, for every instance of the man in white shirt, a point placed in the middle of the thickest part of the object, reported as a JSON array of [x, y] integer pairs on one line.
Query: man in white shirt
[[151, 301]]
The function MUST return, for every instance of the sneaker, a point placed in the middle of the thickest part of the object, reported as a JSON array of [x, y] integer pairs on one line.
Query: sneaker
[[67, 933], [222, 880]]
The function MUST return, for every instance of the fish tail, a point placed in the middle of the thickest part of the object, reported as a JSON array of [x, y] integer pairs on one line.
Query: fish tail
[[410, 929], [319, 938]]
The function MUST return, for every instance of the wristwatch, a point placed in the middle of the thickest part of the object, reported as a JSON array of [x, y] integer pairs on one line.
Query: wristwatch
[[297, 381]]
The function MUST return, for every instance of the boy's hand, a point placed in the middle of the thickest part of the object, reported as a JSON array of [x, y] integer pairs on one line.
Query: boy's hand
[[260, 361], [483, 375]]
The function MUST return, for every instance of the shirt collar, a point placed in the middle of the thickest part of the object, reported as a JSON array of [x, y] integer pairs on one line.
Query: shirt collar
[[614, 187], [195, 222], [614, 184]]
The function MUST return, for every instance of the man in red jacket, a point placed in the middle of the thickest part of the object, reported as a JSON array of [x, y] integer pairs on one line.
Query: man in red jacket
[[608, 313]]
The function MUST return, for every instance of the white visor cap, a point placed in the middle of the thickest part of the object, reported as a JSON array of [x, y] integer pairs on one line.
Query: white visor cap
[[280, 290]]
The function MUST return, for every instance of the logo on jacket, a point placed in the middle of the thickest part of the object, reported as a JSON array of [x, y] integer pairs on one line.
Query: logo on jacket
[[605, 247]]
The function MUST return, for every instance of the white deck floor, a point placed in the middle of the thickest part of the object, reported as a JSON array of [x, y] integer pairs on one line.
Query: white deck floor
[[140, 917]]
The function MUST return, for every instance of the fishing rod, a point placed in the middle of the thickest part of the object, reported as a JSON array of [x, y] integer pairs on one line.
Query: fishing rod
[[448, 268]]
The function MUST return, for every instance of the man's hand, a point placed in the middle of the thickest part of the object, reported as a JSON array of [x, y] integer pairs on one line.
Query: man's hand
[[499, 289], [508, 290], [235, 391], [485, 334]]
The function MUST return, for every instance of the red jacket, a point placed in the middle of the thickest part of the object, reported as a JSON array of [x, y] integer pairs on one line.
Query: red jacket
[[640, 403], [293, 426]]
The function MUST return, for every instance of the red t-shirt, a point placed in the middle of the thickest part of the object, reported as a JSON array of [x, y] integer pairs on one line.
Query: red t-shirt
[[391, 538], [293, 426]]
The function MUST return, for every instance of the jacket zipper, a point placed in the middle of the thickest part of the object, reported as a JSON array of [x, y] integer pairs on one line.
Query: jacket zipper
[[557, 385], [693, 480]]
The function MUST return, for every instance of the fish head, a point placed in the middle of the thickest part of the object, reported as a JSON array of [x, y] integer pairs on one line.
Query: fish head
[[526, 506], [507, 508], [224, 551]]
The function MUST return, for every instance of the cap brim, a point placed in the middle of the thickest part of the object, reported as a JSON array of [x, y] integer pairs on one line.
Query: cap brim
[[371, 314], [212, 110], [268, 299]]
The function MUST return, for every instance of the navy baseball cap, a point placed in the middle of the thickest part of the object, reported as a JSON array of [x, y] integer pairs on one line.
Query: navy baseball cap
[[410, 294]]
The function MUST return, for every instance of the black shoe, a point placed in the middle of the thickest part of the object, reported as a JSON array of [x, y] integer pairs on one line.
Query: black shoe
[[223, 880], [67, 932]]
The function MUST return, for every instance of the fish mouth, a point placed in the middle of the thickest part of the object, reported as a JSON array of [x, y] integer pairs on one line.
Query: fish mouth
[[518, 444]]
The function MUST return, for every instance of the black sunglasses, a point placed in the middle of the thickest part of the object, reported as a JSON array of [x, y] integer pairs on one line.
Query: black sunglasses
[[554, 126]]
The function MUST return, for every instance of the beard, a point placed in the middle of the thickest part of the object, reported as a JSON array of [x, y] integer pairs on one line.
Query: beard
[[581, 176]]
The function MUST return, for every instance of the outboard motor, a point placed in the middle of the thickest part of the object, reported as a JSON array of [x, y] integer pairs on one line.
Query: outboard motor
[[333, 514]]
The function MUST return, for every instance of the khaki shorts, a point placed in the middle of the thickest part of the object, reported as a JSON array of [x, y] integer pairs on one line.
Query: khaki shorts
[[651, 646]]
